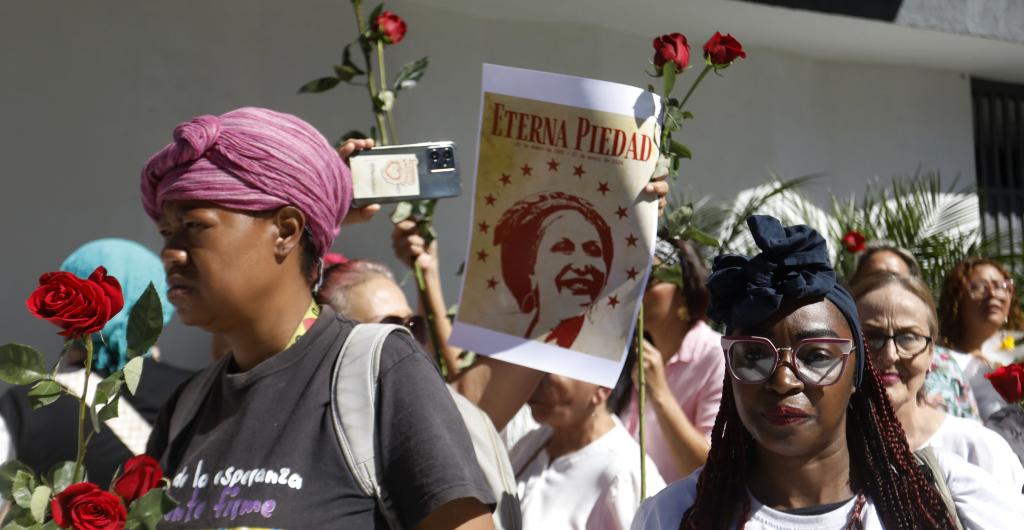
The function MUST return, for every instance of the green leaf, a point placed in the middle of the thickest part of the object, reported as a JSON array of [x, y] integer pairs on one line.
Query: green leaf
[[109, 387], [40, 501], [403, 211], [344, 72], [44, 392], [673, 118], [698, 235], [410, 74], [8, 471], [13, 525], [668, 77], [346, 60], [94, 418], [21, 364], [61, 476], [678, 149], [373, 17], [317, 86], [21, 490], [109, 411], [145, 322], [147, 510], [132, 374]]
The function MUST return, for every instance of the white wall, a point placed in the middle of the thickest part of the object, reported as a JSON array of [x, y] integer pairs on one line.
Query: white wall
[[89, 89]]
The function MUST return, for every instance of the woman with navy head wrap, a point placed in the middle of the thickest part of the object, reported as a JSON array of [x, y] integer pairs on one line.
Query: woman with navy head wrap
[[805, 437], [46, 436]]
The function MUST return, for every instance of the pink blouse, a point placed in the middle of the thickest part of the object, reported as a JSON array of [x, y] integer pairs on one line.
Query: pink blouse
[[695, 375]]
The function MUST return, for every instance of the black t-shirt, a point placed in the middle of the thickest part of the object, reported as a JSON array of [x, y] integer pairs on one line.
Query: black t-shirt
[[44, 437], [262, 452]]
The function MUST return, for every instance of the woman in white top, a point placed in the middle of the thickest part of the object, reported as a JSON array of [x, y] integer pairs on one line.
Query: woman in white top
[[897, 314], [805, 436], [579, 469]]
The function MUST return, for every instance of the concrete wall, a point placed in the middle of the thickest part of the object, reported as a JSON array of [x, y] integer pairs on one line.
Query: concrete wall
[[91, 89]]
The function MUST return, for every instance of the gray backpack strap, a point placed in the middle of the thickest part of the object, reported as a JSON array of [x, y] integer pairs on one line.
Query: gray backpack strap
[[353, 408], [929, 464]]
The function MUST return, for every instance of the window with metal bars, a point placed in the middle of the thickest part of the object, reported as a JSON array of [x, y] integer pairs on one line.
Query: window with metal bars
[[999, 163]]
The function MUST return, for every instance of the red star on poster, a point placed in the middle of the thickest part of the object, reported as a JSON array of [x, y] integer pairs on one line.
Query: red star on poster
[[506, 179], [632, 273], [484, 227], [578, 171], [553, 165], [631, 241], [613, 301], [621, 212], [489, 199], [492, 283], [481, 256], [526, 169], [603, 188]]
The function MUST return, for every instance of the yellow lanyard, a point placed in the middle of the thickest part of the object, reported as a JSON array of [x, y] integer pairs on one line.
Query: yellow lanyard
[[307, 322]]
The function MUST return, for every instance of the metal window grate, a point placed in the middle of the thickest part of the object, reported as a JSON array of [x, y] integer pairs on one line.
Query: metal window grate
[[999, 163]]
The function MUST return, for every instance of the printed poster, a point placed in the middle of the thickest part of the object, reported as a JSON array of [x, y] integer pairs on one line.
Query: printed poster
[[562, 234]]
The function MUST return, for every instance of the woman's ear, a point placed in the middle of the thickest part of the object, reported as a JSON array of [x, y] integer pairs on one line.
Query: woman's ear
[[289, 223], [601, 395]]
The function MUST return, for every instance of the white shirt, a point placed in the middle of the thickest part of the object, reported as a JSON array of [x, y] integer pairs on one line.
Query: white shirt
[[594, 488], [980, 446], [980, 504]]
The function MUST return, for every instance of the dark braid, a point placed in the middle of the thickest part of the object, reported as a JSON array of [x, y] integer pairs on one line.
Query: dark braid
[[882, 467]]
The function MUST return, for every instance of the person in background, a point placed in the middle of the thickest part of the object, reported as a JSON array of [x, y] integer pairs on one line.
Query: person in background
[[248, 203], [684, 363], [44, 437], [945, 386], [979, 300], [366, 291], [897, 315], [805, 436], [578, 470]]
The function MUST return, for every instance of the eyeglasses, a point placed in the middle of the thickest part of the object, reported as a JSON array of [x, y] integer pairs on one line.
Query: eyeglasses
[[815, 361], [416, 324], [977, 290], [908, 345]]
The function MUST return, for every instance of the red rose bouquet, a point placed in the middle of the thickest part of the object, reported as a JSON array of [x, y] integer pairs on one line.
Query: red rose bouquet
[[1009, 382], [62, 498]]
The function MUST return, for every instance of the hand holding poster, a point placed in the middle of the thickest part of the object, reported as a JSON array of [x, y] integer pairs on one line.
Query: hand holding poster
[[562, 233]]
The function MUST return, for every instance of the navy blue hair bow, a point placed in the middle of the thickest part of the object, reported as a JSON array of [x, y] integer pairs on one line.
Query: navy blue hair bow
[[793, 265]]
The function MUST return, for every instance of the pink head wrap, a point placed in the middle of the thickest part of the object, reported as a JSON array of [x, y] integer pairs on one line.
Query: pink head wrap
[[252, 159]]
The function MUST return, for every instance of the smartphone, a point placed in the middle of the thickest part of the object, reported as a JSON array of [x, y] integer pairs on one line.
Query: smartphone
[[409, 172]]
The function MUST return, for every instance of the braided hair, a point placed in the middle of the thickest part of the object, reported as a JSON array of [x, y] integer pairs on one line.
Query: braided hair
[[881, 466]]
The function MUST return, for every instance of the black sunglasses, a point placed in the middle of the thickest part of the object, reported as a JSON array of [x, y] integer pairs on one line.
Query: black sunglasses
[[416, 324]]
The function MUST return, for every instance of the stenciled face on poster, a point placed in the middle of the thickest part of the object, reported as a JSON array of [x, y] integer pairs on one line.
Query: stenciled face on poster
[[562, 231]]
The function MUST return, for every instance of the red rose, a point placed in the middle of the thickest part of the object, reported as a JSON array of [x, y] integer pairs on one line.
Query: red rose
[[391, 27], [672, 47], [721, 50], [84, 506], [1009, 382], [854, 241], [141, 474], [78, 306]]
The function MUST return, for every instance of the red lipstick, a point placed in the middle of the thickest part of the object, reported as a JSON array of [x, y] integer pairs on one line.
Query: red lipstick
[[785, 415]]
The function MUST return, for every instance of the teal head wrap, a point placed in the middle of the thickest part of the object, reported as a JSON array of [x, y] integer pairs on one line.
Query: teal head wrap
[[135, 267]]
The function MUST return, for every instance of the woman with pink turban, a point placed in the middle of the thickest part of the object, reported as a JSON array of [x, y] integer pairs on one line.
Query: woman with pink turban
[[248, 203]]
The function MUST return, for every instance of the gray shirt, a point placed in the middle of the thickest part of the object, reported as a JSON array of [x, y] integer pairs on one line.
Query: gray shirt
[[261, 450]]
